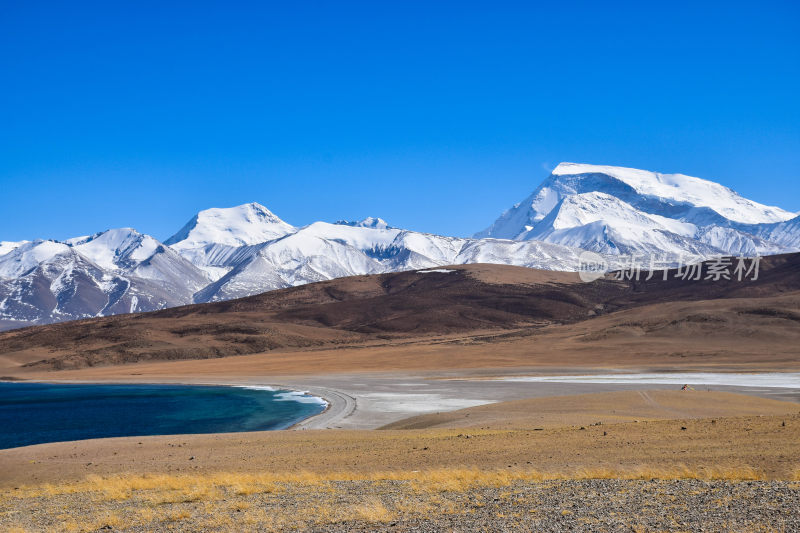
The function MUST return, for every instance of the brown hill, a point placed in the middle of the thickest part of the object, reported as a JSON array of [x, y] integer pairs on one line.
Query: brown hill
[[481, 303]]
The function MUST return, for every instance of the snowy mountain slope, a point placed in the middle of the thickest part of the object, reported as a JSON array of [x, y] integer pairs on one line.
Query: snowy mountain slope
[[28, 256], [363, 237], [651, 210], [7, 246], [130, 252], [62, 284], [786, 234], [301, 243], [602, 223], [745, 244], [316, 252], [66, 285], [115, 248], [531, 254], [410, 250], [323, 251], [235, 226]]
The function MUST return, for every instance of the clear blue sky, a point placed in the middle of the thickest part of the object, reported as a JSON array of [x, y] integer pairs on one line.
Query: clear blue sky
[[436, 116]]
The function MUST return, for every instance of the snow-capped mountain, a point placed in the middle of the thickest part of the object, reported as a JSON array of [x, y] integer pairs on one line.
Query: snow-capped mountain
[[47, 281], [619, 210], [234, 226], [115, 271], [213, 233], [223, 253], [127, 251]]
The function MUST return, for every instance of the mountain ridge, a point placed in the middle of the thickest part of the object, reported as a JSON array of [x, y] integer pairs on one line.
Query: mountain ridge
[[460, 304], [623, 214]]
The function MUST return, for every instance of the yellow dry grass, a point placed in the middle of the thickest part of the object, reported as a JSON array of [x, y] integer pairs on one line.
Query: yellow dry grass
[[371, 510], [186, 488]]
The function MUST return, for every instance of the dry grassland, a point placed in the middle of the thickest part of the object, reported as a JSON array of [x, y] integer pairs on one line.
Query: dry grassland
[[307, 500]]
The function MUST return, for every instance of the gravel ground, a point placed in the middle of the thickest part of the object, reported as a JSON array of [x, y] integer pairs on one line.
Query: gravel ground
[[609, 505], [585, 505]]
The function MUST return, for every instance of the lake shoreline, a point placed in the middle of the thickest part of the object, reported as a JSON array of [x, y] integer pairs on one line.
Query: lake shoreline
[[372, 400]]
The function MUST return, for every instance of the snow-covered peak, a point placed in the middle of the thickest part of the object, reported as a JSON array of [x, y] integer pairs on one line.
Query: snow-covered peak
[[116, 248], [28, 256], [684, 199], [684, 189], [233, 226], [369, 222]]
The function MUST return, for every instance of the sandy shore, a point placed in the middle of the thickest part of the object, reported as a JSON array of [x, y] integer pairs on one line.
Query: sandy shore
[[369, 400], [359, 402]]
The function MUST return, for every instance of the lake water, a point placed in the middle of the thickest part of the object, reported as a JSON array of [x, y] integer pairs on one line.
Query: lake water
[[33, 413]]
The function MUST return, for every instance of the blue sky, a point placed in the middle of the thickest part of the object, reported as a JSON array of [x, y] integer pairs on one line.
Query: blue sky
[[436, 116]]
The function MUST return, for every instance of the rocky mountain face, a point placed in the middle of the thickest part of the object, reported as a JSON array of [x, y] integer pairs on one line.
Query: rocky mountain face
[[622, 214]]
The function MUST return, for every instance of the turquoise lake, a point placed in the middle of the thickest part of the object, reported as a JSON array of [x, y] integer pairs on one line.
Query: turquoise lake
[[33, 413]]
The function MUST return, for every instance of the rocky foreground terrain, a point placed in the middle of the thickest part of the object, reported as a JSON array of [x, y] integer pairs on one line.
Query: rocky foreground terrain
[[462, 503]]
